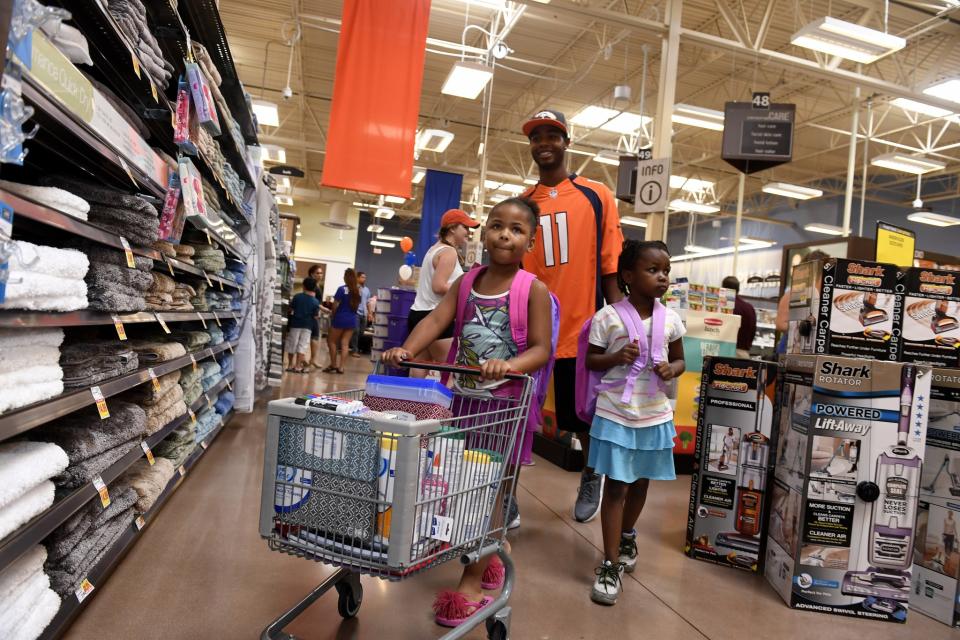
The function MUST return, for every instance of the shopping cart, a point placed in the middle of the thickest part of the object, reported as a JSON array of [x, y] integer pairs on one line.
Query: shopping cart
[[392, 498]]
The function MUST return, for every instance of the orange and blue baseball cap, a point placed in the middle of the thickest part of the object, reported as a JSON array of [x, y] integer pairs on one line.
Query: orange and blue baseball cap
[[547, 117]]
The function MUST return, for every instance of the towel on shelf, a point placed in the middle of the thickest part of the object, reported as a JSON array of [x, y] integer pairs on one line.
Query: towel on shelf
[[177, 452], [211, 374], [87, 554], [216, 334], [191, 383], [24, 465], [20, 570], [203, 57], [231, 330], [207, 422], [32, 292], [68, 40], [30, 375], [28, 394], [192, 340], [137, 227], [116, 298], [99, 194], [170, 407], [225, 402], [92, 516], [162, 283], [13, 360], [49, 261], [27, 604], [53, 197], [79, 474], [131, 16], [87, 362], [33, 350], [31, 618], [148, 481], [112, 285], [83, 435], [184, 251], [154, 351], [13, 341], [165, 248], [99, 253], [146, 395], [226, 364], [159, 302], [107, 275], [19, 512]]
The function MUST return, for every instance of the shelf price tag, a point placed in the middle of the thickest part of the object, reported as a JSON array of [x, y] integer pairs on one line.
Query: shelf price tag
[[101, 488], [182, 471], [169, 265], [101, 402], [153, 90], [200, 317], [154, 379], [193, 361], [207, 277], [147, 452], [216, 316], [118, 324], [209, 239], [230, 346], [140, 522], [209, 401], [126, 167], [129, 253], [229, 386], [85, 589], [136, 64], [193, 416], [163, 323], [220, 282]]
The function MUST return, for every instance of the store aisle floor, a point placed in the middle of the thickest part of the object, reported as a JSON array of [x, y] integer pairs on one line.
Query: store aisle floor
[[200, 569]]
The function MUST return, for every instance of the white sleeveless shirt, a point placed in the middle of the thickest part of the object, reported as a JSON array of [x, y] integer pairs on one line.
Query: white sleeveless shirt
[[427, 299]]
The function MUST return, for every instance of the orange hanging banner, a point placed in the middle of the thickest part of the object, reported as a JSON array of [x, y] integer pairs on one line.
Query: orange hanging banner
[[376, 96]]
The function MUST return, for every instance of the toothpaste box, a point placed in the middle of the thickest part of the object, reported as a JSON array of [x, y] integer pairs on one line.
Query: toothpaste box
[[936, 557], [847, 481], [851, 308], [931, 319]]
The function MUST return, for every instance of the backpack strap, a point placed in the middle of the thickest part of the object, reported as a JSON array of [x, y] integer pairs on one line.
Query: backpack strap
[[634, 325], [466, 285], [520, 306]]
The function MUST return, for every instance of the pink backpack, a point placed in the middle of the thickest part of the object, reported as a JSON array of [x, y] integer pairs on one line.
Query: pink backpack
[[519, 304], [590, 383]]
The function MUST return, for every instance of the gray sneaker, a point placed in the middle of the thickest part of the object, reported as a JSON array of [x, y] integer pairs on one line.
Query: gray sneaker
[[628, 551], [606, 588], [588, 497], [513, 514]]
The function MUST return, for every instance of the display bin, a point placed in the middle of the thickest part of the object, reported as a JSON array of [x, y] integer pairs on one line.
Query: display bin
[[384, 306], [401, 301], [377, 344], [381, 317], [381, 331], [397, 328], [417, 390], [383, 294]]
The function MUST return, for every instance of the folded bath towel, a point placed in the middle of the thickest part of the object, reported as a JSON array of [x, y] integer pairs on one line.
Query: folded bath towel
[[116, 298], [153, 351], [15, 339], [148, 481], [65, 538], [12, 360], [104, 275], [139, 228], [31, 375], [83, 435], [216, 335], [26, 615], [184, 250], [158, 419], [37, 292], [48, 261], [62, 201], [15, 574], [192, 340], [87, 554], [87, 362], [24, 465], [79, 474], [99, 253], [162, 283], [225, 402], [35, 501], [99, 194], [165, 248], [190, 376], [192, 393], [28, 394], [146, 395]]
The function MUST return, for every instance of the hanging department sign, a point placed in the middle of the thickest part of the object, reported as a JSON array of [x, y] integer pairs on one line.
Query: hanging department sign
[[758, 135]]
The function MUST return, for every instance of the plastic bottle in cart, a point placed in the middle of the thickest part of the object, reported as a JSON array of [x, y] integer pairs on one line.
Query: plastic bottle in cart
[[385, 480]]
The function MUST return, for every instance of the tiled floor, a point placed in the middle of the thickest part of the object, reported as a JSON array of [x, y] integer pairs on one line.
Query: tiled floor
[[201, 571]]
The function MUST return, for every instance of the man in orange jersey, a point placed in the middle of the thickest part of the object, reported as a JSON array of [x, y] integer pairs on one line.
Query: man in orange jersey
[[578, 243]]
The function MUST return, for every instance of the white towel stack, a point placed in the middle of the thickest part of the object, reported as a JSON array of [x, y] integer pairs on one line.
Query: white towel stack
[[46, 279], [62, 201], [25, 486], [29, 366], [27, 603]]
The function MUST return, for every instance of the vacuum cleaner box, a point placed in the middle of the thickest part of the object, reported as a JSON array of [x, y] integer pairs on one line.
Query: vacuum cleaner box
[[850, 308], [931, 330], [736, 432], [936, 557], [841, 533]]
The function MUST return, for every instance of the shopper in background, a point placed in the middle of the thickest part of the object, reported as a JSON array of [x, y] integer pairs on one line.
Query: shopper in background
[[363, 314], [441, 268], [487, 342], [345, 304], [316, 272], [633, 441], [748, 318], [783, 306], [304, 310], [578, 242]]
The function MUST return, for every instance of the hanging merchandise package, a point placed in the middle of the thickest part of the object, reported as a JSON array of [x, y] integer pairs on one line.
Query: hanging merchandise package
[[203, 103], [184, 125], [191, 187], [172, 218]]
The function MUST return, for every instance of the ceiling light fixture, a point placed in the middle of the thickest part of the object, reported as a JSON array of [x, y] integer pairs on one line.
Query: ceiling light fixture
[[916, 165], [613, 120], [693, 185], [385, 245], [933, 219], [466, 80], [847, 40], [722, 251], [755, 242], [530, 181], [436, 140], [267, 112], [606, 156], [696, 248], [947, 90], [374, 228], [419, 173], [791, 190], [384, 212], [633, 222], [390, 238], [698, 117], [693, 207], [827, 229], [921, 107], [394, 199]]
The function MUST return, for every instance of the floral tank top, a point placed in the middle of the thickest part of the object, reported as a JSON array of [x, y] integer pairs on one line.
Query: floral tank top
[[486, 336]]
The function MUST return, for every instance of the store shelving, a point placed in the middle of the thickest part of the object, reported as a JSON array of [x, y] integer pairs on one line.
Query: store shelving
[[758, 298], [20, 420], [43, 525], [71, 607], [93, 318]]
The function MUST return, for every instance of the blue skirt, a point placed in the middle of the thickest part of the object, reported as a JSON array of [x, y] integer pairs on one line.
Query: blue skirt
[[627, 454]]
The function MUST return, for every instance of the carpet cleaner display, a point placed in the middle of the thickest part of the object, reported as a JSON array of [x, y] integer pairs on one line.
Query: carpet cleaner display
[[936, 552], [736, 429], [849, 308], [847, 480], [931, 330]]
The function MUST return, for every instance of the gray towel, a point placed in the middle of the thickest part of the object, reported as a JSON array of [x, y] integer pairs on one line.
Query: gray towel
[[115, 298], [83, 435], [80, 474], [95, 546], [86, 363], [67, 536], [137, 227], [98, 253], [98, 194], [104, 275]]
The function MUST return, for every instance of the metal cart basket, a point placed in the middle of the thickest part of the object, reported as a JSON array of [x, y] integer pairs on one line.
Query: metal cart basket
[[391, 498]]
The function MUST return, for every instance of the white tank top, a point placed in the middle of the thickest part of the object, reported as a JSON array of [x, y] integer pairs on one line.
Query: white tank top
[[427, 299]]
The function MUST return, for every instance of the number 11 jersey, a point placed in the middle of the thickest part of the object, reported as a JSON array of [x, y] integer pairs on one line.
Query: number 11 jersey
[[578, 241]]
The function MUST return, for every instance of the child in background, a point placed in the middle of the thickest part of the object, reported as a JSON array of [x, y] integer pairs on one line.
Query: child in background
[[304, 309], [486, 342], [632, 442]]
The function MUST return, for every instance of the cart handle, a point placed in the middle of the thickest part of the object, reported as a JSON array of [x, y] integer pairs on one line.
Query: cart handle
[[448, 368]]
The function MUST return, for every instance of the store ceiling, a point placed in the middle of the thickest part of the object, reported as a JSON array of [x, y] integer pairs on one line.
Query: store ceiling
[[569, 54]]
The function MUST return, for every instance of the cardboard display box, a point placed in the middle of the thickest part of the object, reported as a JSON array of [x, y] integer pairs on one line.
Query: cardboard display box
[[736, 433], [931, 319], [850, 308], [936, 556], [844, 500]]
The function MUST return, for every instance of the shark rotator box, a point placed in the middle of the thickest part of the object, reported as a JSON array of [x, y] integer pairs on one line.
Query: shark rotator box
[[931, 324]]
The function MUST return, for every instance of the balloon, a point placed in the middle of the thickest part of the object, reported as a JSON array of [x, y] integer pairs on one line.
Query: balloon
[[405, 272], [406, 244], [410, 259]]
